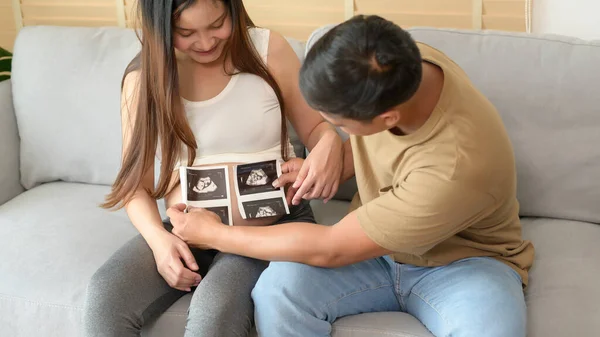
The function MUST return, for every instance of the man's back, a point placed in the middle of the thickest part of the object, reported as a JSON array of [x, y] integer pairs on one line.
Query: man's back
[[447, 191]]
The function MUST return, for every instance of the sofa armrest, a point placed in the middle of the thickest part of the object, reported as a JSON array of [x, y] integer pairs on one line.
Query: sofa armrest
[[10, 185]]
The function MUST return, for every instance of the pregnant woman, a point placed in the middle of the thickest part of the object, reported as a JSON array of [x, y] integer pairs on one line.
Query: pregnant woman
[[207, 88]]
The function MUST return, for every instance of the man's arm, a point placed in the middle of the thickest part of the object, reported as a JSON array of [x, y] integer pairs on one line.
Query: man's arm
[[317, 245], [411, 218]]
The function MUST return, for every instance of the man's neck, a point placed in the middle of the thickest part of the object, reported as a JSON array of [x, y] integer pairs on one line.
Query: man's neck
[[417, 110]]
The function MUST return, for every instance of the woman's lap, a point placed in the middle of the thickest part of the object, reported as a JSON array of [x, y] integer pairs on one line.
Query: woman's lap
[[127, 291]]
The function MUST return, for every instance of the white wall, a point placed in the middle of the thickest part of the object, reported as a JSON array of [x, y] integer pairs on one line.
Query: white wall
[[580, 18]]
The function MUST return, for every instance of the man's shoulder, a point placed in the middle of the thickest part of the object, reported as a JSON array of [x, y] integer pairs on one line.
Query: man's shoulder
[[434, 55]]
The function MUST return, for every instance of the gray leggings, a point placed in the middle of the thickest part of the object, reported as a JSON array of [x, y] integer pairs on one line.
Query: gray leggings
[[128, 292]]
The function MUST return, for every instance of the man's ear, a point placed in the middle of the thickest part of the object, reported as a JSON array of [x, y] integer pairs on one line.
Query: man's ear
[[390, 118]]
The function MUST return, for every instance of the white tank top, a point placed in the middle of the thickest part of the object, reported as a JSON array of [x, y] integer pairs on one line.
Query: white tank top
[[243, 122]]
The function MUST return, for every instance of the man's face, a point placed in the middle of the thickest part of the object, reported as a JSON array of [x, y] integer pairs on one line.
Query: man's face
[[355, 127]]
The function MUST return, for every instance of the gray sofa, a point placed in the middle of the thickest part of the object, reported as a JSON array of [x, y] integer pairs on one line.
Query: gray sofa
[[60, 148]]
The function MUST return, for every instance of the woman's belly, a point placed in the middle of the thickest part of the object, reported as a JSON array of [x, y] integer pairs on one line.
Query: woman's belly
[[174, 197]]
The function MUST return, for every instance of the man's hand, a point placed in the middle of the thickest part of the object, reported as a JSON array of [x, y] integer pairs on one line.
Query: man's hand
[[317, 177], [289, 175], [192, 226]]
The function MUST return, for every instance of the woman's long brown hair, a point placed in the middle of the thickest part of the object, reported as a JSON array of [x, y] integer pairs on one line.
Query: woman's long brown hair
[[160, 116]]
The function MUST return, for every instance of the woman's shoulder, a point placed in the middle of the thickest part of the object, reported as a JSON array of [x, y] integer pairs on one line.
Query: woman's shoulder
[[260, 39], [131, 80], [130, 87], [259, 32], [272, 45]]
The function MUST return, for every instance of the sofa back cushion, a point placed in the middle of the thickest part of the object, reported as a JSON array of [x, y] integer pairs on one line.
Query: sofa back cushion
[[545, 89], [66, 85]]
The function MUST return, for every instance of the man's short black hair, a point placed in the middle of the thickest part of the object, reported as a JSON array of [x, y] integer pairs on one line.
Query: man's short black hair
[[361, 68]]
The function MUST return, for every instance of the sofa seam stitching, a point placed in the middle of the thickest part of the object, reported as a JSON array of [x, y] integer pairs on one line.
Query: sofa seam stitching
[[17, 299], [591, 43], [400, 333]]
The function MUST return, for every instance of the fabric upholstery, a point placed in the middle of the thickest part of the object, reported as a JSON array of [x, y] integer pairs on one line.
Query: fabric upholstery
[[56, 237], [329, 213], [9, 146], [387, 324], [563, 293], [66, 85], [62, 237]]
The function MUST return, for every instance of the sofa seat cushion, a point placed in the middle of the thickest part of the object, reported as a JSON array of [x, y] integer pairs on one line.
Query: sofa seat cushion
[[54, 237], [383, 324], [563, 293]]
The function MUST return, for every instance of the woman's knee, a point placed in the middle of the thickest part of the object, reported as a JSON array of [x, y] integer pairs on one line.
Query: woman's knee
[[100, 292], [234, 265], [112, 292], [221, 305], [102, 305]]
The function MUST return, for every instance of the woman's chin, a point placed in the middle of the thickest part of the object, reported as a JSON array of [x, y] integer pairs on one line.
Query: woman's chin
[[206, 58]]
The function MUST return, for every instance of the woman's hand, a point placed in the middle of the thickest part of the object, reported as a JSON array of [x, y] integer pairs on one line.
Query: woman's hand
[[169, 252], [191, 226], [319, 175]]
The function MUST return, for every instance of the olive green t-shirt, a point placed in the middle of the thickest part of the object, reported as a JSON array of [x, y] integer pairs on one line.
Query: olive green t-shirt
[[447, 191]]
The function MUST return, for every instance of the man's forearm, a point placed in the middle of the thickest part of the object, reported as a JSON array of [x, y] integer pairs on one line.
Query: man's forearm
[[296, 242], [348, 168]]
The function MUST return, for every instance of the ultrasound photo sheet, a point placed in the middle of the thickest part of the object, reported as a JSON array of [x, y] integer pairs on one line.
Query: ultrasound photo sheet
[[256, 196], [209, 188]]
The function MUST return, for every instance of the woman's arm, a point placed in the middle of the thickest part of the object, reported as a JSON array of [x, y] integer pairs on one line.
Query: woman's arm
[[321, 171], [284, 65], [143, 211], [348, 169]]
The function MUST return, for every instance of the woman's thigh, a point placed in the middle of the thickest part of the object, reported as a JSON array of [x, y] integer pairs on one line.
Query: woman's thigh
[[221, 304], [126, 292]]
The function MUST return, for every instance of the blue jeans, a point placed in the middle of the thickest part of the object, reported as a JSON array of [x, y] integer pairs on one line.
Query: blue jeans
[[473, 297]]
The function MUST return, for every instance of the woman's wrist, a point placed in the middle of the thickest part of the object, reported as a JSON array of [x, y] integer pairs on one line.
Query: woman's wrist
[[323, 132], [154, 235], [331, 134]]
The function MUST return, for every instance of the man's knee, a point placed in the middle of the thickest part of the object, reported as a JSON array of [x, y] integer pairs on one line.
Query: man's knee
[[283, 281], [495, 325], [498, 317]]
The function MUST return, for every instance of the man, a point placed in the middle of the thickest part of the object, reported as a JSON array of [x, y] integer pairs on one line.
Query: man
[[434, 230]]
